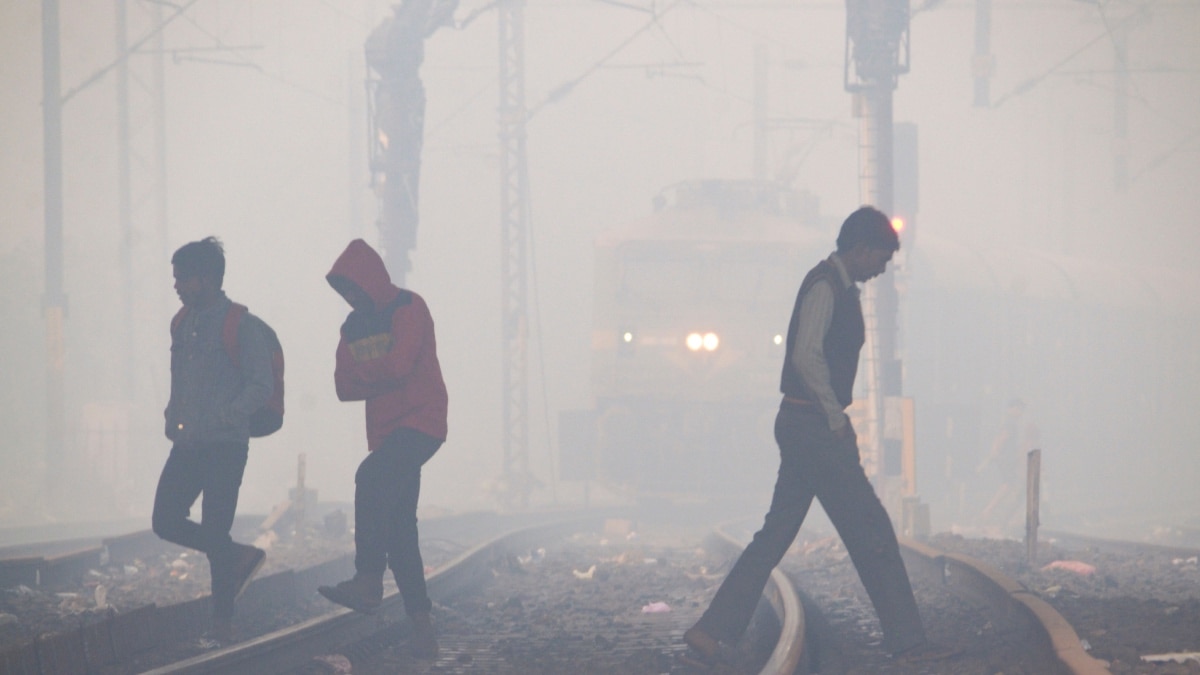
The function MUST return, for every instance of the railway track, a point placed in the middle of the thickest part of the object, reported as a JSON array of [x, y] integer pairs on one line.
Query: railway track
[[612, 603], [990, 621], [1006, 611]]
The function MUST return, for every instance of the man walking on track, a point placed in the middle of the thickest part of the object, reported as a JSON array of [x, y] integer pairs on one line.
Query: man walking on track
[[221, 374], [819, 456], [387, 357]]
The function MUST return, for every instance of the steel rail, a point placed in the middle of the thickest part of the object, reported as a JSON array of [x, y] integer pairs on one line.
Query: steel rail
[[790, 651], [119, 638], [1052, 635], [291, 648]]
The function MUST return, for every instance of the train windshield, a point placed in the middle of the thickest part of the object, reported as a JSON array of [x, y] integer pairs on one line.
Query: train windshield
[[762, 278]]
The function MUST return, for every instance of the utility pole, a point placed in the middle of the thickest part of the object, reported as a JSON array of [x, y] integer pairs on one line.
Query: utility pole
[[395, 51], [124, 198], [983, 64], [514, 221], [54, 302], [761, 62], [1120, 38], [1119, 33], [877, 53], [143, 240], [141, 183], [55, 298], [355, 148]]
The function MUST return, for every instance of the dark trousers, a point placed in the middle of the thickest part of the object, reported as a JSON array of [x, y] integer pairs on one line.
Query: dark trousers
[[214, 470], [815, 463], [386, 488]]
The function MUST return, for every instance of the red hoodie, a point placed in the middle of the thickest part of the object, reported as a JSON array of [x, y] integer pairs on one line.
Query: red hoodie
[[390, 364]]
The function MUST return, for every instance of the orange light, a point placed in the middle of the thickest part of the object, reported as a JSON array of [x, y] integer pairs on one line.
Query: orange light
[[898, 224]]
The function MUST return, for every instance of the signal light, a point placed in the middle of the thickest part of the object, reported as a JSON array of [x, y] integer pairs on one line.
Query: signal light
[[898, 224]]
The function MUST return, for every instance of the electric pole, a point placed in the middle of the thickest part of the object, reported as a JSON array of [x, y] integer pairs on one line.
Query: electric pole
[[983, 64], [54, 302], [141, 185], [761, 64], [514, 221], [395, 51], [877, 53]]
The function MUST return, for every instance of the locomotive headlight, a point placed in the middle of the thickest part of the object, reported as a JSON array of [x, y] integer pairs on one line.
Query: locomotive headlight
[[706, 341], [627, 337], [778, 339]]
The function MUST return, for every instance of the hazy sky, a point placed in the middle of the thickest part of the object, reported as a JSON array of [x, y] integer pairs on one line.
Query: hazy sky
[[258, 138]]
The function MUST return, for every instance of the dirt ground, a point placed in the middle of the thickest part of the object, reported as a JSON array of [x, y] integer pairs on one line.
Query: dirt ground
[[1124, 606]]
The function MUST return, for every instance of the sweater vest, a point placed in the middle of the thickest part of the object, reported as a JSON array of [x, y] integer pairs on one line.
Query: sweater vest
[[842, 344]]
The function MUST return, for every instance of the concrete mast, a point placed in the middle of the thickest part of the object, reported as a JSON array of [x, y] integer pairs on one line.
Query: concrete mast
[[395, 51], [877, 53]]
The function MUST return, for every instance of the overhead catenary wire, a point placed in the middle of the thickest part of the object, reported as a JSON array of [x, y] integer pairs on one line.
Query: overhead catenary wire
[[1029, 84], [562, 90], [259, 69], [94, 77]]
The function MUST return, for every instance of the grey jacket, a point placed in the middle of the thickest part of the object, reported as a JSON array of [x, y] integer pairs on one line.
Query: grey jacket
[[211, 398]]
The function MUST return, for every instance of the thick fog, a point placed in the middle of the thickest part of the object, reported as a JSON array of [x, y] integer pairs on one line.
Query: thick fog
[[265, 121]]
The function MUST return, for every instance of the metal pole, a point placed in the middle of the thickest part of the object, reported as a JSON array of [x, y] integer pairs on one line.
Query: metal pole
[[1120, 38], [877, 53], [879, 299], [55, 299], [761, 57], [983, 65], [1033, 488], [396, 50], [355, 150], [124, 200], [160, 143], [514, 193]]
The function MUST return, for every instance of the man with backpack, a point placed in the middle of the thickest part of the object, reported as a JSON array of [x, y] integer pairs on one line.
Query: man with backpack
[[221, 376], [387, 357]]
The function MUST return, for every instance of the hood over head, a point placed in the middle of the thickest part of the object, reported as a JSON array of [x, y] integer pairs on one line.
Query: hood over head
[[361, 265]]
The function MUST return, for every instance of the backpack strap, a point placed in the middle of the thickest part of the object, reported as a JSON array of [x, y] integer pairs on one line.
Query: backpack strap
[[229, 333]]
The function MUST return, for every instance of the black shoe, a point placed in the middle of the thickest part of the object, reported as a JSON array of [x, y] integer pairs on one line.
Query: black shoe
[[704, 644], [423, 643], [359, 594], [247, 560], [706, 654]]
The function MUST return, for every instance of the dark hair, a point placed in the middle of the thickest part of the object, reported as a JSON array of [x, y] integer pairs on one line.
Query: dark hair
[[868, 225], [201, 258]]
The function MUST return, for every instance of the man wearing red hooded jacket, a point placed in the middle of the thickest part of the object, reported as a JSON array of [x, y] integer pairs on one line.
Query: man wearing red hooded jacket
[[387, 357]]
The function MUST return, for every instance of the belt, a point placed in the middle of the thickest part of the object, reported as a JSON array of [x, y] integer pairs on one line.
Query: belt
[[797, 401]]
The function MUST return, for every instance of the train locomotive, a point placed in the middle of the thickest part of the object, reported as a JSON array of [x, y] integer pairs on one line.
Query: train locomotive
[[691, 308], [690, 312]]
